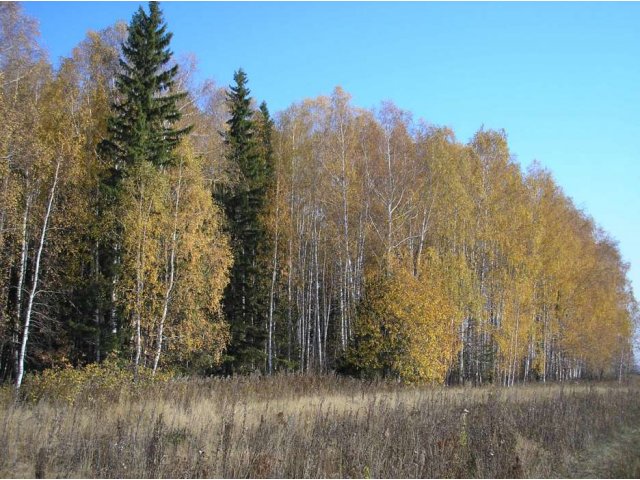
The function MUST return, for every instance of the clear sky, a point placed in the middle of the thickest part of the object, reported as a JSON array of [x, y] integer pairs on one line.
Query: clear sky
[[563, 79]]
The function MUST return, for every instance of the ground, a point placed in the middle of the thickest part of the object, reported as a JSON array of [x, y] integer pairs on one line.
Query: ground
[[325, 426]]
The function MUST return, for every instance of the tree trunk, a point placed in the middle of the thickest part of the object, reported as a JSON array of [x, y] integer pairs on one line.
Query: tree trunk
[[274, 273], [140, 285], [172, 274], [21, 275], [36, 278]]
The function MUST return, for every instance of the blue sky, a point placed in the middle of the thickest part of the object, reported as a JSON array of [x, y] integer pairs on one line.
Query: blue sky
[[563, 79]]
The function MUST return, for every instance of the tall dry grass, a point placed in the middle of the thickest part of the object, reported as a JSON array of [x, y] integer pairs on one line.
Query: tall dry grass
[[301, 426]]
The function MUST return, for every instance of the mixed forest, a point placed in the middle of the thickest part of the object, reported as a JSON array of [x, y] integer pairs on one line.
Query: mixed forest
[[168, 224]]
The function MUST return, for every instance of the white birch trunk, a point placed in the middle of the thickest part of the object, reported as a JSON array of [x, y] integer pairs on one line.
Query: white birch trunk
[[36, 277], [274, 273], [172, 274], [140, 286], [21, 274]]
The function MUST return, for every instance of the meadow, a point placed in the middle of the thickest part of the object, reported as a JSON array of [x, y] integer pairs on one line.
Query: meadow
[[320, 426]]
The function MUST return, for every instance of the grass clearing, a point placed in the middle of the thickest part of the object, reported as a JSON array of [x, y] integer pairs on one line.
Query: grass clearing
[[296, 426]]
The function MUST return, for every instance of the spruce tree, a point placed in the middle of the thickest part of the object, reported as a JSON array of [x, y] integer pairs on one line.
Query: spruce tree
[[269, 253], [246, 297], [265, 139], [141, 132], [142, 127]]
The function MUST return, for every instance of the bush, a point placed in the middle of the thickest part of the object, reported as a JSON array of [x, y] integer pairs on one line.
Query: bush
[[91, 383]]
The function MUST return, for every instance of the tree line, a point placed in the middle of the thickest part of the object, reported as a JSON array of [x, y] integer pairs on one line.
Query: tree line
[[169, 223]]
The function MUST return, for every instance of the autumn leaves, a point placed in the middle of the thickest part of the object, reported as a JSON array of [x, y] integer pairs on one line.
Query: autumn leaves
[[330, 238]]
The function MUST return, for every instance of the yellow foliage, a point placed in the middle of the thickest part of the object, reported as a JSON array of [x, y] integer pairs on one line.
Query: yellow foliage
[[176, 258], [407, 325], [94, 382]]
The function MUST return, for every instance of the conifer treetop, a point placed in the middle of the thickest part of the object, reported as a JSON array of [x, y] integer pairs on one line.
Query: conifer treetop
[[142, 128]]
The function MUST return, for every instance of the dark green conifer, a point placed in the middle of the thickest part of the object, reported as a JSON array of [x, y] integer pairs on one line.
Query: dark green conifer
[[246, 297], [265, 138], [142, 127]]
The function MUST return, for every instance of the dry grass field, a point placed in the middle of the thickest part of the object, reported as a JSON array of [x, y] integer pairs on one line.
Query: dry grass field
[[301, 426]]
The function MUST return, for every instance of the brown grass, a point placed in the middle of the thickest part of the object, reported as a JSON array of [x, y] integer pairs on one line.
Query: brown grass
[[300, 426]]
